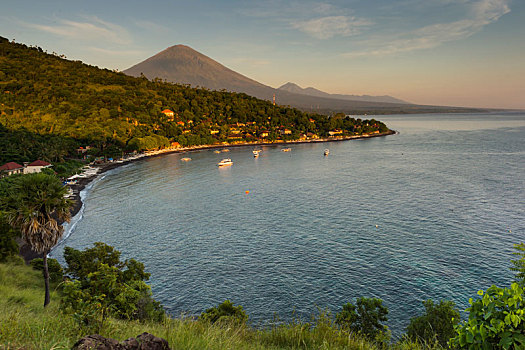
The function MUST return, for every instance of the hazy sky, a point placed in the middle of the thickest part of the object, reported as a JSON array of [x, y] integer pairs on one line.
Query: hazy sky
[[443, 52]]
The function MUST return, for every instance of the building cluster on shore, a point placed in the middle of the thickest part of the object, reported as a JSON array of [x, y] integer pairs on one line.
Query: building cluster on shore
[[28, 168], [251, 131]]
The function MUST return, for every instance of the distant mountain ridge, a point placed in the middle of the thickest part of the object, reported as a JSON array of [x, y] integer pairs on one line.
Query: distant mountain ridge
[[310, 91], [183, 65]]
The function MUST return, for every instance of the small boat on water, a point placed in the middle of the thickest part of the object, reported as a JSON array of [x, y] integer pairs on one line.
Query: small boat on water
[[326, 152], [226, 150], [286, 149], [256, 152], [217, 151], [185, 159], [225, 162]]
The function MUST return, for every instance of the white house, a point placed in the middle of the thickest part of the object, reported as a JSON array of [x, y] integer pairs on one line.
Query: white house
[[36, 166]]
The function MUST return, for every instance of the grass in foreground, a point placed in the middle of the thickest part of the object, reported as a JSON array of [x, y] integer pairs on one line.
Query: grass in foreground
[[25, 324]]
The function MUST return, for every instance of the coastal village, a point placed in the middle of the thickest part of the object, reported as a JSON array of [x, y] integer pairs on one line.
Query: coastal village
[[242, 132]]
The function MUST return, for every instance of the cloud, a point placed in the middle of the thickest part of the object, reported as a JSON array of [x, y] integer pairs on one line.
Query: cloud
[[91, 29], [318, 19], [330, 26], [287, 10], [481, 13], [489, 11]]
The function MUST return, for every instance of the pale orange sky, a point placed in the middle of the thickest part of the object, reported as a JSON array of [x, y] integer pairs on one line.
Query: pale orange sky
[[437, 52]]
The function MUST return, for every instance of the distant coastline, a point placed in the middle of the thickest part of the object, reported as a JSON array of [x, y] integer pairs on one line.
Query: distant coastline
[[82, 183]]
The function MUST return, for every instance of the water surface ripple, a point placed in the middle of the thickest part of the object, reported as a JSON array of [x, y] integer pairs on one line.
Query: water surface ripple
[[446, 194]]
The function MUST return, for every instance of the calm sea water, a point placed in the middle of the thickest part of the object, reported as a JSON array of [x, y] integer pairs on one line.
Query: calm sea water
[[431, 212]]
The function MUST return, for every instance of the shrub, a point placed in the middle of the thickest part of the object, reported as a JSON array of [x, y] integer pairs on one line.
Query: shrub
[[102, 278], [225, 312], [56, 273], [436, 324], [496, 321], [365, 318], [8, 246], [519, 265]]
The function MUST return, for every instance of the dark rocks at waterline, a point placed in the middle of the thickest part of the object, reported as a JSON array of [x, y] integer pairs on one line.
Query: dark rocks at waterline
[[145, 341]]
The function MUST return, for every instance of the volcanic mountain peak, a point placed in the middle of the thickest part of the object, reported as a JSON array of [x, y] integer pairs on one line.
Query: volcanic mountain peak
[[184, 65]]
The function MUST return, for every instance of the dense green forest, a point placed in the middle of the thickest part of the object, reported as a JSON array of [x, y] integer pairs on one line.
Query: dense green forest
[[49, 106]]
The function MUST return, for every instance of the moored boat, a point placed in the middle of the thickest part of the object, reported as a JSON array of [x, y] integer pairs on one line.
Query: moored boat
[[286, 149], [326, 152], [256, 152], [185, 159], [225, 162]]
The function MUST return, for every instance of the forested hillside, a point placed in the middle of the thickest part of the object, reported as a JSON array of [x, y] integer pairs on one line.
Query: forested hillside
[[49, 106]]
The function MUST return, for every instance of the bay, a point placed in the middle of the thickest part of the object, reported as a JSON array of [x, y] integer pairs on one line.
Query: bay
[[431, 212]]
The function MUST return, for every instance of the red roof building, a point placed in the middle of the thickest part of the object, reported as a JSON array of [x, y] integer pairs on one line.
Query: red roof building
[[36, 166], [11, 168], [39, 163]]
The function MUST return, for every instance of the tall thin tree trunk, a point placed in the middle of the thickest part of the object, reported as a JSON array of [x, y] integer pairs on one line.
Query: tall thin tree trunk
[[46, 279]]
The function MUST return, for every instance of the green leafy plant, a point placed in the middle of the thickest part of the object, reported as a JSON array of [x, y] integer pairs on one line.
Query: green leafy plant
[[365, 318], [496, 321], [119, 286], [8, 246], [518, 265], [225, 312], [89, 311], [436, 325]]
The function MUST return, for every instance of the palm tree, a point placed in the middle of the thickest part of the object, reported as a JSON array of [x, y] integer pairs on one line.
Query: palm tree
[[35, 204]]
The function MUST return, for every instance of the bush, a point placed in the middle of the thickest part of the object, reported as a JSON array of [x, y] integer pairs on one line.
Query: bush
[[436, 324], [519, 265], [225, 312], [496, 321], [8, 246], [56, 273], [112, 286], [365, 318]]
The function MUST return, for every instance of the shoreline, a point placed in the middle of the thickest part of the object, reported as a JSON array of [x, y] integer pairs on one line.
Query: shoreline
[[27, 254]]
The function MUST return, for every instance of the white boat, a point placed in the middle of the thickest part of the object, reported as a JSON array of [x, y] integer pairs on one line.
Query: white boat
[[256, 152], [185, 159], [326, 152], [225, 162]]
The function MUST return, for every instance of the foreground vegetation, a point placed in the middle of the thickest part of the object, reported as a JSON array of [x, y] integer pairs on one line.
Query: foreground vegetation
[[496, 320], [24, 323]]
